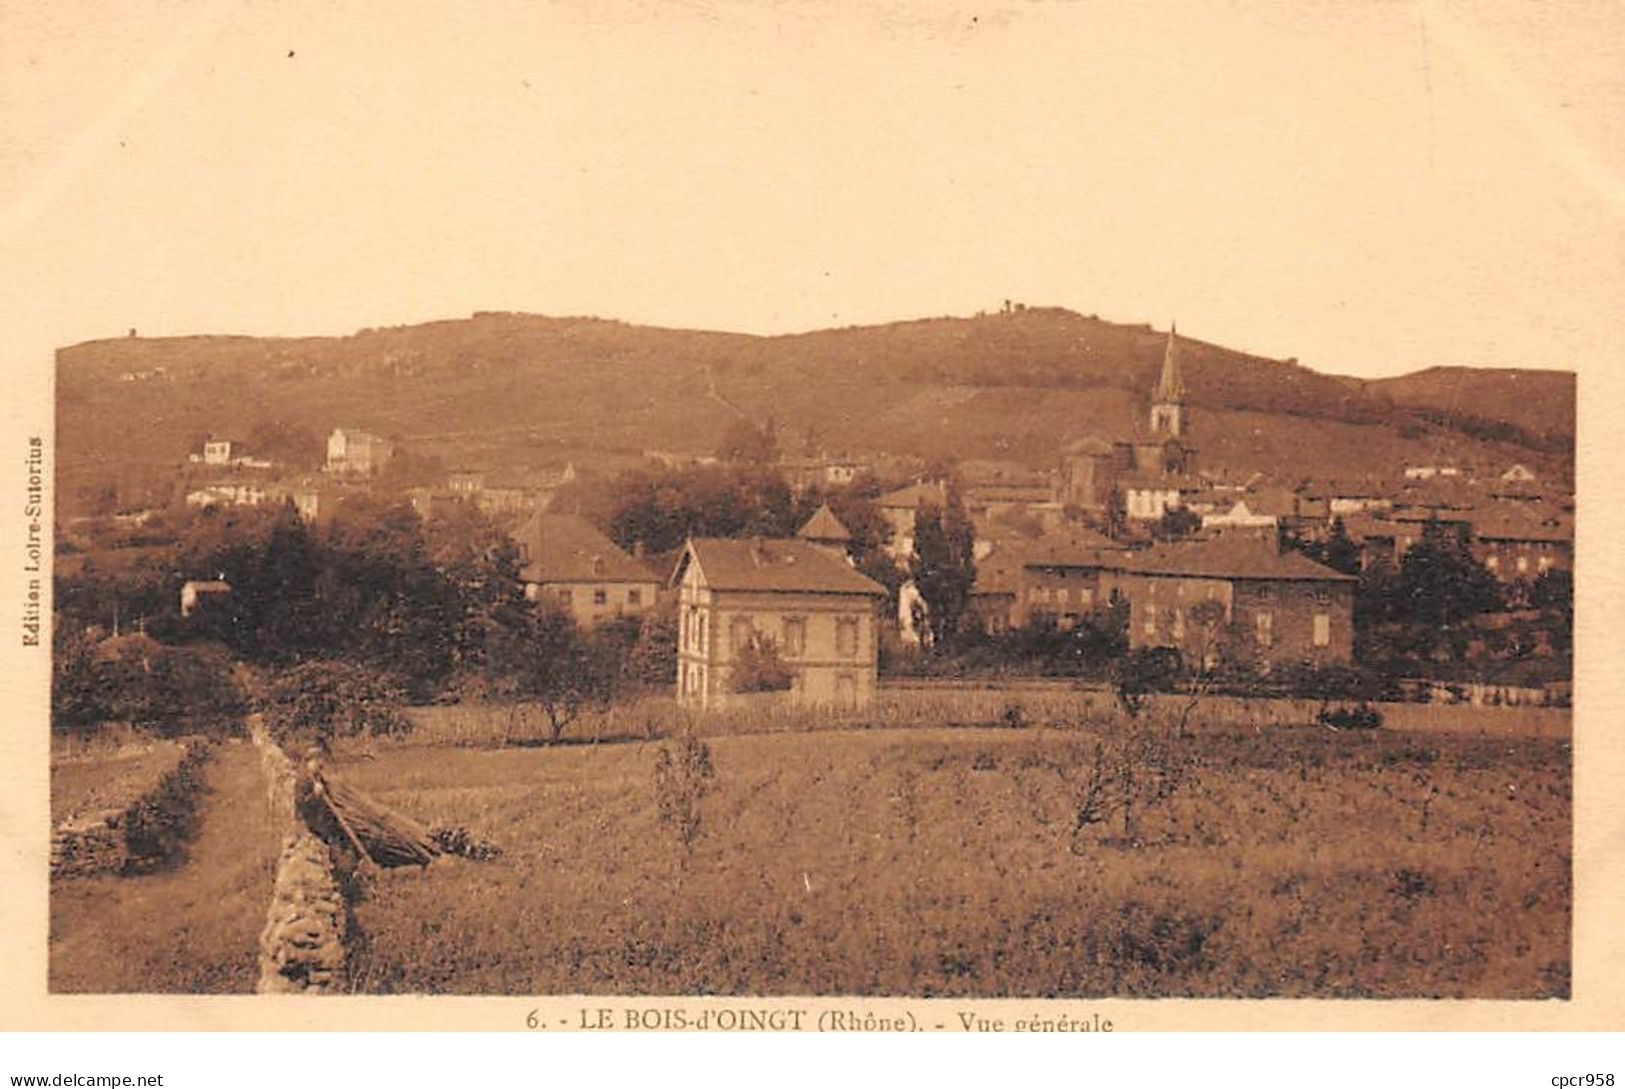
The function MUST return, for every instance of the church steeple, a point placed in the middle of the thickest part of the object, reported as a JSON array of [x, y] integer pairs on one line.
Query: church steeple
[[1168, 397]]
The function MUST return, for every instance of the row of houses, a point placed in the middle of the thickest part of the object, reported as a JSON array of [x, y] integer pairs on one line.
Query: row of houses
[[824, 618]]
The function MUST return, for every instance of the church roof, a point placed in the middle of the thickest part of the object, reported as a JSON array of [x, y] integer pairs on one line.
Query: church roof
[[1171, 383]]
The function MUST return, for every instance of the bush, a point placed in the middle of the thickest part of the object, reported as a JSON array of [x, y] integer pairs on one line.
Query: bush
[[759, 667], [1142, 671], [319, 701], [1363, 717], [158, 826], [683, 775]]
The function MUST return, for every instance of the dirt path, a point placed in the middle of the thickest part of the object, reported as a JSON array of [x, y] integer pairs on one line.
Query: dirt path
[[193, 928]]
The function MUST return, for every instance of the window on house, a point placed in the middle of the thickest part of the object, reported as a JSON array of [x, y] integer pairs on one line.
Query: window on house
[[1323, 630], [1150, 621], [1493, 562], [1523, 565], [564, 596], [634, 596], [1179, 624], [600, 597], [739, 633], [846, 636], [1322, 596], [1545, 563], [795, 636], [1264, 628], [699, 636]]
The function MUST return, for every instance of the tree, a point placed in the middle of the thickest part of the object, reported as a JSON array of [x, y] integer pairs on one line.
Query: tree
[[1553, 590], [1440, 583], [479, 564], [943, 567], [76, 700], [654, 655], [758, 667], [1176, 524], [380, 598], [1140, 673], [1339, 551], [320, 700], [540, 657]]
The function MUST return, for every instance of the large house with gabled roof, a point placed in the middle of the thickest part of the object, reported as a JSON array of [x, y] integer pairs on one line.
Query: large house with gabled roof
[[819, 615], [566, 561]]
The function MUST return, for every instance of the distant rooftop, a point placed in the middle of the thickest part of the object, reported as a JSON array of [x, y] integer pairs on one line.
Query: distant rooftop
[[1229, 558]]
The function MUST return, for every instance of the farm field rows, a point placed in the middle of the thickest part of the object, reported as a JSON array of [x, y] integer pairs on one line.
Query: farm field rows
[[190, 927], [1297, 863], [94, 783]]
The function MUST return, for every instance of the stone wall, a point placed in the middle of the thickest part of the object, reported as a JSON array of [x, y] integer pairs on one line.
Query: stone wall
[[90, 844], [302, 945]]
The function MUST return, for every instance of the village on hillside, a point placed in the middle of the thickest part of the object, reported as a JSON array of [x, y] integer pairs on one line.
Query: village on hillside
[[1010, 555], [731, 706]]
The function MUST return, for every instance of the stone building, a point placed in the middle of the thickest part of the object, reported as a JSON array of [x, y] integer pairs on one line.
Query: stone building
[[1516, 545], [565, 560], [820, 616], [1272, 608]]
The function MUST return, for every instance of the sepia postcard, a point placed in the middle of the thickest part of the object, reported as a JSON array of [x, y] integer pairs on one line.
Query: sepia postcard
[[812, 517]]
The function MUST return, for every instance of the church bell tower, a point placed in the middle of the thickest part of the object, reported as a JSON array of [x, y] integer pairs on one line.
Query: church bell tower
[[1168, 397]]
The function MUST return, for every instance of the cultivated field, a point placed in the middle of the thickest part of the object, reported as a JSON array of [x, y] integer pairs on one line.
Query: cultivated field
[[93, 780], [190, 926], [1292, 862]]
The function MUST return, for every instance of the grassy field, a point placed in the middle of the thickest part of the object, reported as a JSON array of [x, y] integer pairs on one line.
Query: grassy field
[[189, 928], [1296, 863]]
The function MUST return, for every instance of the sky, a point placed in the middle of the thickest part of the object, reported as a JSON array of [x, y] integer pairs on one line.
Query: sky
[[1369, 188]]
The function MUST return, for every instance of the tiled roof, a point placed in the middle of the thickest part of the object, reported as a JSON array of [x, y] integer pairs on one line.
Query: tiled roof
[[1075, 546], [1227, 557], [914, 496], [1513, 525], [1361, 526], [567, 548], [775, 565]]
